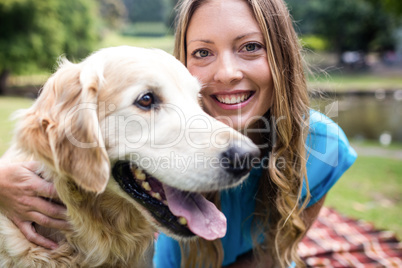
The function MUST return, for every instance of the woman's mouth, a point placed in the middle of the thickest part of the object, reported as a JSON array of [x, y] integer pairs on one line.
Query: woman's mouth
[[233, 100]]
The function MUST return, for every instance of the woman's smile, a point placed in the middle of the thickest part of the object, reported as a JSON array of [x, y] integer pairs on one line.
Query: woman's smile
[[233, 100]]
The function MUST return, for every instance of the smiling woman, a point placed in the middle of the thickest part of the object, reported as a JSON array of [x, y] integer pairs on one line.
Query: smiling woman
[[247, 56], [226, 59]]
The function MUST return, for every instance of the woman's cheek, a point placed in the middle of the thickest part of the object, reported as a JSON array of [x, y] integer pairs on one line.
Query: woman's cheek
[[198, 72]]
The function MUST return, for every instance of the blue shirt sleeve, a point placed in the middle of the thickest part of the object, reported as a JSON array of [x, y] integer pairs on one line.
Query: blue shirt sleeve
[[329, 155]]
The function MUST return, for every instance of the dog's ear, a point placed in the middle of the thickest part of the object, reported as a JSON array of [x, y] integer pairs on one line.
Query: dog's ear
[[62, 127]]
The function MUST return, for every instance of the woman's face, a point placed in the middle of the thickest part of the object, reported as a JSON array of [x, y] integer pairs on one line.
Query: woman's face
[[226, 52]]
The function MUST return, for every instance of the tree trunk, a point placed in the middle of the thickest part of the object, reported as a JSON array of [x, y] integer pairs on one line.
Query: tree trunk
[[3, 81]]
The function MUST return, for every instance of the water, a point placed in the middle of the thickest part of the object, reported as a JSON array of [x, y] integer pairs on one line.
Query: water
[[366, 116]]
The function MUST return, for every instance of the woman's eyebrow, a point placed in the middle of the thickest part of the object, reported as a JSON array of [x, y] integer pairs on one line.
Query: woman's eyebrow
[[200, 40], [247, 35], [239, 37]]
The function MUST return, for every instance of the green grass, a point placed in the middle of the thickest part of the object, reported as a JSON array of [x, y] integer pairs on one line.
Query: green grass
[[394, 146], [165, 43], [7, 106], [371, 190], [360, 82]]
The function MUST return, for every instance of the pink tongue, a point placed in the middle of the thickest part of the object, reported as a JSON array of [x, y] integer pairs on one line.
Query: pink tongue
[[203, 218]]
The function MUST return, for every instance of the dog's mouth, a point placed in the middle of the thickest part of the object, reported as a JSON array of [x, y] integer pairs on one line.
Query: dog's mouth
[[184, 213]]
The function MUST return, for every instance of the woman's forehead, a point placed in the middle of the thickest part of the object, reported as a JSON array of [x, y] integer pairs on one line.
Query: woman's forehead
[[216, 18]]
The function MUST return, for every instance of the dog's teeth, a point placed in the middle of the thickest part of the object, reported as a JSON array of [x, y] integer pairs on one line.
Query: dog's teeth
[[165, 202], [182, 220], [139, 174], [146, 186], [156, 196]]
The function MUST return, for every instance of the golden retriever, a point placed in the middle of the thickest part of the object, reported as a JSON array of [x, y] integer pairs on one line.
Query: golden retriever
[[130, 151]]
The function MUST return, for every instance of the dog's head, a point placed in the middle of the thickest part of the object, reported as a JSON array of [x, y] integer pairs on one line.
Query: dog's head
[[135, 113]]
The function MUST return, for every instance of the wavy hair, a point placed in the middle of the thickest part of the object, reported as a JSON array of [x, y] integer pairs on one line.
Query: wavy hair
[[278, 213]]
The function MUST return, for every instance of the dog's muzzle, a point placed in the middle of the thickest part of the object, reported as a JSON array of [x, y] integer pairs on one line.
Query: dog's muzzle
[[135, 183], [185, 213]]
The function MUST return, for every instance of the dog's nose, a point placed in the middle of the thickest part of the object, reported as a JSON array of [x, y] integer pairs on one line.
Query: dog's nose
[[239, 159]]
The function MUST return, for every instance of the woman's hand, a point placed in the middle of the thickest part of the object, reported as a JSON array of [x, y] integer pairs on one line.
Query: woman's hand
[[24, 199]]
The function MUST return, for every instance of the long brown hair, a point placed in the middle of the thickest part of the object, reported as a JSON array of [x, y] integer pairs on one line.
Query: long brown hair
[[278, 205]]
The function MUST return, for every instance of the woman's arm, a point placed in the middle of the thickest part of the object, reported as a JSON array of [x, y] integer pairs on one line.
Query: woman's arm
[[310, 214], [24, 199]]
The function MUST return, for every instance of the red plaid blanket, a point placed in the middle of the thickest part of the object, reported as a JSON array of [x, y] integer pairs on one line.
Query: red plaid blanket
[[337, 241]]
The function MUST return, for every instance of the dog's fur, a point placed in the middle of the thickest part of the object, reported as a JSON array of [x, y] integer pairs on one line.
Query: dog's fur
[[84, 120]]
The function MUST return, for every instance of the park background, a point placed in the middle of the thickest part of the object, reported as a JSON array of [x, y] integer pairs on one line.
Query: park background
[[353, 48]]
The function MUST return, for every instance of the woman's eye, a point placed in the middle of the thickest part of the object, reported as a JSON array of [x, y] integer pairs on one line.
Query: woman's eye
[[251, 47], [146, 101], [201, 53]]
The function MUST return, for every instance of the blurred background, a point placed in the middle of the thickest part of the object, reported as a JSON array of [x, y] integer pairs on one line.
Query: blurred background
[[353, 49]]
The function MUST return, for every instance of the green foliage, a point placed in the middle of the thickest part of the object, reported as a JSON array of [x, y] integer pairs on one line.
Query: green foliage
[[113, 13], [147, 10], [79, 27], [29, 34], [361, 25], [150, 11], [392, 6], [314, 42], [34, 33]]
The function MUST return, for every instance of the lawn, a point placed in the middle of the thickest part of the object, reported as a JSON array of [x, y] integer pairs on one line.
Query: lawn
[[357, 82], [7, 106], [371, 189], [114, 39]]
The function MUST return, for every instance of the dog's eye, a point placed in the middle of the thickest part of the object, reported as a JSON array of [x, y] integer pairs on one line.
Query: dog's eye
[[146, 101]]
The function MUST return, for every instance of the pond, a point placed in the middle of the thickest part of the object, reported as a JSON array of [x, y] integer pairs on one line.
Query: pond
[[365, 115]]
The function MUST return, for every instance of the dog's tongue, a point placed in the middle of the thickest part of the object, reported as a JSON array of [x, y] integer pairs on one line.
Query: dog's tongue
[[203, 218]]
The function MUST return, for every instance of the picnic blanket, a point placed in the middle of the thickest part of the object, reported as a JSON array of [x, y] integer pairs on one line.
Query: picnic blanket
[[338, 241]]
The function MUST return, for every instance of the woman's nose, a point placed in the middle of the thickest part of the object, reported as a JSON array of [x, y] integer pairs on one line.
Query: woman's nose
[[228, 70]]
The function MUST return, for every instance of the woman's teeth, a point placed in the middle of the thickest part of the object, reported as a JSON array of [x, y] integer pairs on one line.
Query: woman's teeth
[[233, 98]]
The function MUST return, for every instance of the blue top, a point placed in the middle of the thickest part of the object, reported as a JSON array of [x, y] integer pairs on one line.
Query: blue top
[[329, 156]]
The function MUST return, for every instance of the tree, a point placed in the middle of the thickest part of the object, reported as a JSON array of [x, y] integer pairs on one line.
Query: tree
[[148, 10], [361, 25], [170, 21], [24, 35], [34, 33], [391, 6], [81, 33], [113, 13]]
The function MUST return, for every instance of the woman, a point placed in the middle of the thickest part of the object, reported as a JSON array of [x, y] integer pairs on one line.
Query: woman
[[247, 56]]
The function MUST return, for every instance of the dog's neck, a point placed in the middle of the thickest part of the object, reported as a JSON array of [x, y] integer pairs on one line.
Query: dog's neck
[[121, 232]]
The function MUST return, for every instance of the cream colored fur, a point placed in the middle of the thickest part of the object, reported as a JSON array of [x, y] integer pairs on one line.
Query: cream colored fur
[[84, 121]]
